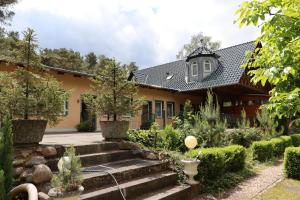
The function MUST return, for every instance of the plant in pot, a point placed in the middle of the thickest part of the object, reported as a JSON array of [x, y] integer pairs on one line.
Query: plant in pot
[[113, 97], [31, 97], [67, 183]]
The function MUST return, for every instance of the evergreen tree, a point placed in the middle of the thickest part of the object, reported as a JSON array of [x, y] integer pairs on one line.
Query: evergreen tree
[[208, 123], [91, 60], [6, 155], [115, 95], [5, 13]]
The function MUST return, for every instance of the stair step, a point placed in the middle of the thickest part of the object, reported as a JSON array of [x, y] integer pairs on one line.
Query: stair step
[[86, 149], [124, 170], [97, 158], [177, 192], [134, 188]]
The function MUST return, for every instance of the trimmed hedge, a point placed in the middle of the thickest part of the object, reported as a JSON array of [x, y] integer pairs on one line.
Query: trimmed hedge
[[265, 150], [296, 140], [217, 161], [291, 165], [262, 150], [279, 144]]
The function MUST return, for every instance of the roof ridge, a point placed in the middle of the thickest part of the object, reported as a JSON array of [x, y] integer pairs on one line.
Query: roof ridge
[[235, 45], [160, 65]]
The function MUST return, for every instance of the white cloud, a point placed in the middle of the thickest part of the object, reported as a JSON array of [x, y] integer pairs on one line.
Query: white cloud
[[147, 31]]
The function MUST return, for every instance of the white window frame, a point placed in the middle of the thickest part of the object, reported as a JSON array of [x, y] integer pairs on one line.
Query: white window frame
[[172, 109], [66, 107], [206, 63], [194, 64], [161, 109]]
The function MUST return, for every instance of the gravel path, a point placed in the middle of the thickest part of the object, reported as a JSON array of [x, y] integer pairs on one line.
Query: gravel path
[[253, 186]]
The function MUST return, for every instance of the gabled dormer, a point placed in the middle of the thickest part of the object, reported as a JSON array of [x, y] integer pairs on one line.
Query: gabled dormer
[[200, 64]]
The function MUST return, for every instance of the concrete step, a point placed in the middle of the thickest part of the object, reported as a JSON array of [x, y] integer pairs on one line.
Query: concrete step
[[97, 158], [89, 148], [176, 192], [124, 170], [134, 188]]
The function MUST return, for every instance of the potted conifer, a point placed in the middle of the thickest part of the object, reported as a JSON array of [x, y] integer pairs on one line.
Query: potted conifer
[[114, 96], [30, 95], [67, 183]]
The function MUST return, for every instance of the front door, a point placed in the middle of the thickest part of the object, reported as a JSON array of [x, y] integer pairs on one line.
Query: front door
[[147, 116], [87, 116]]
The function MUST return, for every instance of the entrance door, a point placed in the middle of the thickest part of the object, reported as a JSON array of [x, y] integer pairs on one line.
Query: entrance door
[[87, 117], [147, 115]]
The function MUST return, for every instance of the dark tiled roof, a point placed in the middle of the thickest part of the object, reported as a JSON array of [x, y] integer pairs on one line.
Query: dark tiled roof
[[229, 71]]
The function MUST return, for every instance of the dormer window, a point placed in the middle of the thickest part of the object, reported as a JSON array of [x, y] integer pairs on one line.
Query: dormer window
[[207, 66], [194, 69]]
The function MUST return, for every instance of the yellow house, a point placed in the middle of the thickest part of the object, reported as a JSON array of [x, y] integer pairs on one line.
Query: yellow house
[[166, 87]]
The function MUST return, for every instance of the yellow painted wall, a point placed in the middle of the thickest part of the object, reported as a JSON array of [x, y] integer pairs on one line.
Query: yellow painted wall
[[76, 86], [80, 85]]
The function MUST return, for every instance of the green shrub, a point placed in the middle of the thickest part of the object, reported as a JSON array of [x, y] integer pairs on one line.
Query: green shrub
[[6, 157], [243, 137], [262, 150], [295, 140], [2, 181], [292, 162], [265, 150], [172, 138], [279, 144], [141, 136], [217, 161], [85, 126]]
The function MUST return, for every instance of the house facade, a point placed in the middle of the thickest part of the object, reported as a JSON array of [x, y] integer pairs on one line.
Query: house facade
[[166, 87]]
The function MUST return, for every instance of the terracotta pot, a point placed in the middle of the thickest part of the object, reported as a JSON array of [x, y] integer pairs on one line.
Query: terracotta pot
[[28, 132], [114, 129]]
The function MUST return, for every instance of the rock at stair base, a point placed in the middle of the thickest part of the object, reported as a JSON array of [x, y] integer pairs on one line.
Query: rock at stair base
[[41, 174], [43, 196], [36, 160]]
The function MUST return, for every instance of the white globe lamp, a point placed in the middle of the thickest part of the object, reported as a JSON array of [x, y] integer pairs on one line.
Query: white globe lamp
[[190, 142]]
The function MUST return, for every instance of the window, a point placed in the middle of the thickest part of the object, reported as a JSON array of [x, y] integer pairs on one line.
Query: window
[[207, 66], [159, 108], [66, 107], [227, 104], [170, 109], [194, 69]]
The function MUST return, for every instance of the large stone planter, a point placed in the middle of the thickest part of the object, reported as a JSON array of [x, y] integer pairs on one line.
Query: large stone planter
[[72, 195], [28, 132], [114, 129], [191, 169]]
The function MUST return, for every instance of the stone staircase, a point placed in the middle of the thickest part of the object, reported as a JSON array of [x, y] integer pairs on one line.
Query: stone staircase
[[138, 178]]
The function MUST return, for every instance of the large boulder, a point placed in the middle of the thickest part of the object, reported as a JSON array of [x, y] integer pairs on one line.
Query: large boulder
[[41, 174], [49, 151], [35, 160]]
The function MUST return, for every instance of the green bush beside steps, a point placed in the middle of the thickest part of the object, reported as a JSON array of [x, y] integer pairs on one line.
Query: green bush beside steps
[[216, 161], [291, 164], [265, 150]]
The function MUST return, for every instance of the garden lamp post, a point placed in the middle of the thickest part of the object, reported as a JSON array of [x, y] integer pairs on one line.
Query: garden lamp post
[[190, 164]]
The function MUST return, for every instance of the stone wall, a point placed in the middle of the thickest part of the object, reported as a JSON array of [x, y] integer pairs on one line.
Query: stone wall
[[30, 166]]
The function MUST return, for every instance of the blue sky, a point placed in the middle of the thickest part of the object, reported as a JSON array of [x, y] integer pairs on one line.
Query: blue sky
[[149, 32]]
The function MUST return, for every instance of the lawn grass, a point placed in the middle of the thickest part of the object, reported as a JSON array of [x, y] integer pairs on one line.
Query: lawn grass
[[288, 189]]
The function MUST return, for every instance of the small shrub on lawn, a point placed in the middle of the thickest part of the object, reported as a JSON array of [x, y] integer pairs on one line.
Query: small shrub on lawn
[[292, 162], [173, 139], [217, 161], [262, 150], [279, 144], [295, 140], [265, 150]]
